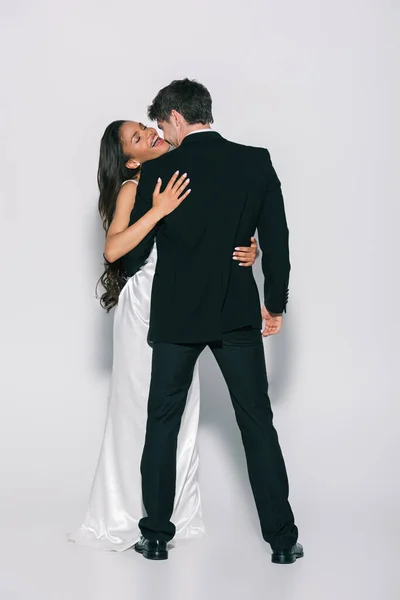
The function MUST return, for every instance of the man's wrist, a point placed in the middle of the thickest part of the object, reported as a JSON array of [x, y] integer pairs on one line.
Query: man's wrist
[[273, 314]]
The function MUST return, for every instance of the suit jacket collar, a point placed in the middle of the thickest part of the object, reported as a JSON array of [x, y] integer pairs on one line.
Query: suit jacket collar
[[200, 138]]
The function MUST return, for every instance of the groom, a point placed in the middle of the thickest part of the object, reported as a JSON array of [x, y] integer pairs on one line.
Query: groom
[[202, 298]]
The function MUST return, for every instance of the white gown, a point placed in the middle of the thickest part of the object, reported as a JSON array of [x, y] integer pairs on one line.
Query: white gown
[[115, 505]]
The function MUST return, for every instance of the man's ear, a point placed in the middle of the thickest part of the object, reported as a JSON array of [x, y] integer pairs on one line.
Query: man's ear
[[175, 117], [132, 164]]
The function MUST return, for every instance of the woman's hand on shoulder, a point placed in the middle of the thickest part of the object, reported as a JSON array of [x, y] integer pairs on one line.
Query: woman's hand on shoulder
[[246, 254], [173, 195]]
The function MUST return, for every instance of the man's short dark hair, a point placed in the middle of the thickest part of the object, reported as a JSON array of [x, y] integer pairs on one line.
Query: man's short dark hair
[[188, 97]]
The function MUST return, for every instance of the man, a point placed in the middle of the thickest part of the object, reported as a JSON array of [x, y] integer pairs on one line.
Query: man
[[201, 297]]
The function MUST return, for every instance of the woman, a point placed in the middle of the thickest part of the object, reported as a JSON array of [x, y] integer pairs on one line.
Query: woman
[[115, 507]]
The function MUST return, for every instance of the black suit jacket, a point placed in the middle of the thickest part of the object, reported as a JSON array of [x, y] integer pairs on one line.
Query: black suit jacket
[[198, 290]]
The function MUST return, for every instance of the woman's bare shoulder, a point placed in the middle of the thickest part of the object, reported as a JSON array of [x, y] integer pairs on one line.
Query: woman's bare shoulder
[[127, 194], [124, 206]]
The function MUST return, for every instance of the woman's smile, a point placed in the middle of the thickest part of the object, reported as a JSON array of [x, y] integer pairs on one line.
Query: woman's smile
[[156, 141]]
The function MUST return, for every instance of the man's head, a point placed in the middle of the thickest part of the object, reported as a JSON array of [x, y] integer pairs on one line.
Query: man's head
[[181, 107]]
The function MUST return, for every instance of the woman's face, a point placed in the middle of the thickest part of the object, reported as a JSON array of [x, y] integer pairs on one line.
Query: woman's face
[[141, 143]]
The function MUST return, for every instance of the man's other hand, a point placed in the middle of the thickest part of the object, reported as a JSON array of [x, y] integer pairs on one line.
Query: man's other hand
[[273, 322]]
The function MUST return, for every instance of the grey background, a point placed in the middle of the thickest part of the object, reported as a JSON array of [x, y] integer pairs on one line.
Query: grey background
[[316, 83]]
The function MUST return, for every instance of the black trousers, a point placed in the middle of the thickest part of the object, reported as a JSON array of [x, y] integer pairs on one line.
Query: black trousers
[[242, 362]]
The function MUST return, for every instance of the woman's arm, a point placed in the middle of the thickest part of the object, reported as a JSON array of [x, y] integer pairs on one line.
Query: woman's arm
[[121, 238]]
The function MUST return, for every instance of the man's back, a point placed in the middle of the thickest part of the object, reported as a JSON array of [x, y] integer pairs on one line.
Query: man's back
[[198, 290]]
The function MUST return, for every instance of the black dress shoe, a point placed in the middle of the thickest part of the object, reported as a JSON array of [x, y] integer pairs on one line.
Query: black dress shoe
[[289, 556], [152, 549]]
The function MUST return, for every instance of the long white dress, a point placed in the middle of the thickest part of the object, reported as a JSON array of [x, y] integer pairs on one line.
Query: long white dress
[[115, 506]]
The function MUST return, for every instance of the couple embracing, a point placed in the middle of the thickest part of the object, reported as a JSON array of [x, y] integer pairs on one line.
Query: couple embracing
[[179, 224]]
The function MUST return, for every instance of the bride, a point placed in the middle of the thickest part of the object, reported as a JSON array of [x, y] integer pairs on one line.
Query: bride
[[115, 505]]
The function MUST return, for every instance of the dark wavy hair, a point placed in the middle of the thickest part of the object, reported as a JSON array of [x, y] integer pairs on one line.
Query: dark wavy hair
[[112, 172], [188, 97]]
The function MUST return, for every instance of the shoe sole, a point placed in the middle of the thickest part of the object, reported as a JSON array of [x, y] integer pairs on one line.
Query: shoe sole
[[153, 555], [281, 560]]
